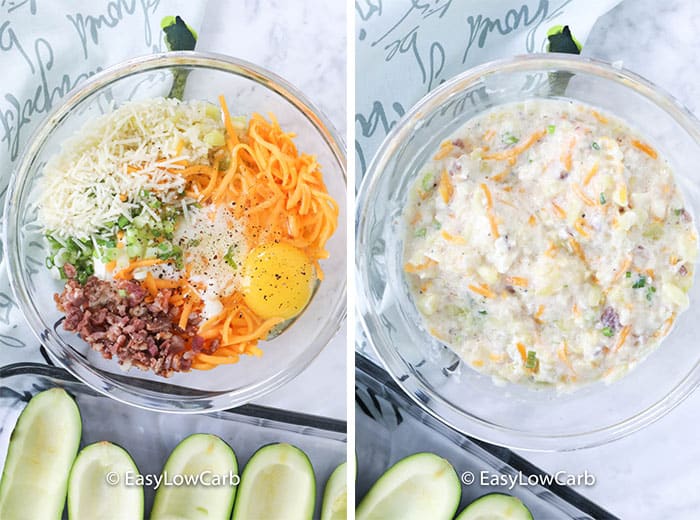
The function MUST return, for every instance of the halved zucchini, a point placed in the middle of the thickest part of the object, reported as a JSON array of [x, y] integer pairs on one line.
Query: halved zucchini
[[199, 456], [496, 506], [42, 449], [335, 497], [277, 483], [417, 487], [102, 484]]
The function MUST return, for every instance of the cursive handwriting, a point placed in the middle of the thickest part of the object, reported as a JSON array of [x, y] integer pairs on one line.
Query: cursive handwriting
[[423, 9], [370, 8], [90, 26], [12, 5], [377, 119], [9, 41], [40, 100], [480, 26]]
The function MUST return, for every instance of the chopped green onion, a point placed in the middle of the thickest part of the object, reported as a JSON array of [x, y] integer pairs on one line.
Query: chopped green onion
[[650, 292], [607, 331], [228, 257], [595, 146], [509, 138], [428, 182], [483, 313], [122, 222], [551, 129], [641, 282], [602, 198], [49, 262], [421, 232], [531, 361], [677, 212], [628, 274], [122, 293], [437, 224]]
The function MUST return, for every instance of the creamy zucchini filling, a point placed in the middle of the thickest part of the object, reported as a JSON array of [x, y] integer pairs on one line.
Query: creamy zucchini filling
[[547, 242]]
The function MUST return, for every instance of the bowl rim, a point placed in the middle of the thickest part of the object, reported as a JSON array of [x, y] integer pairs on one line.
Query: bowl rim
[[420, 393], [70, 359]]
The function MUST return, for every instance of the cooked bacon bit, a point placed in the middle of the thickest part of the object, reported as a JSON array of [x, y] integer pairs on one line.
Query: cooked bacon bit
[[121, 319], [610, 318], [458, 143], [683, 270]]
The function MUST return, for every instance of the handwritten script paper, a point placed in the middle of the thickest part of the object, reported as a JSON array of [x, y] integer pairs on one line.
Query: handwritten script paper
[[406, 48], [46, 49]]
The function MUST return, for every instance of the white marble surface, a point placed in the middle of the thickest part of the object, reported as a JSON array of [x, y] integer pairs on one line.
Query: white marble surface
[[304, 42], [654, 473]]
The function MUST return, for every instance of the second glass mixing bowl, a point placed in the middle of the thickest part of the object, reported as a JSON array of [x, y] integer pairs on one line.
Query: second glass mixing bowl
[[436, 379]]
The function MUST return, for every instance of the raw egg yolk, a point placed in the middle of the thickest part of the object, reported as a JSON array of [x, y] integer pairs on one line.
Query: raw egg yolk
[[278, 280]]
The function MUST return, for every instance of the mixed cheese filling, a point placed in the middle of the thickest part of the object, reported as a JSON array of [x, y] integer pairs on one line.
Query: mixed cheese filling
[[184, 235], [548, 243]]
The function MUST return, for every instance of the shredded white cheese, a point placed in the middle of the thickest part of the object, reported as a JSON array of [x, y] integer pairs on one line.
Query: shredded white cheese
[[102, 172]]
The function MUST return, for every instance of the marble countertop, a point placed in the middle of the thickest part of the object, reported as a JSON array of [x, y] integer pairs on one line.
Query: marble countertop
[[653, 473], [305, 43]]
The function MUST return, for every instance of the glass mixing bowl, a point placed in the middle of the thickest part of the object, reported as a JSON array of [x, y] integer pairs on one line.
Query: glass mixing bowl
[[429, 372], [247, 89]]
